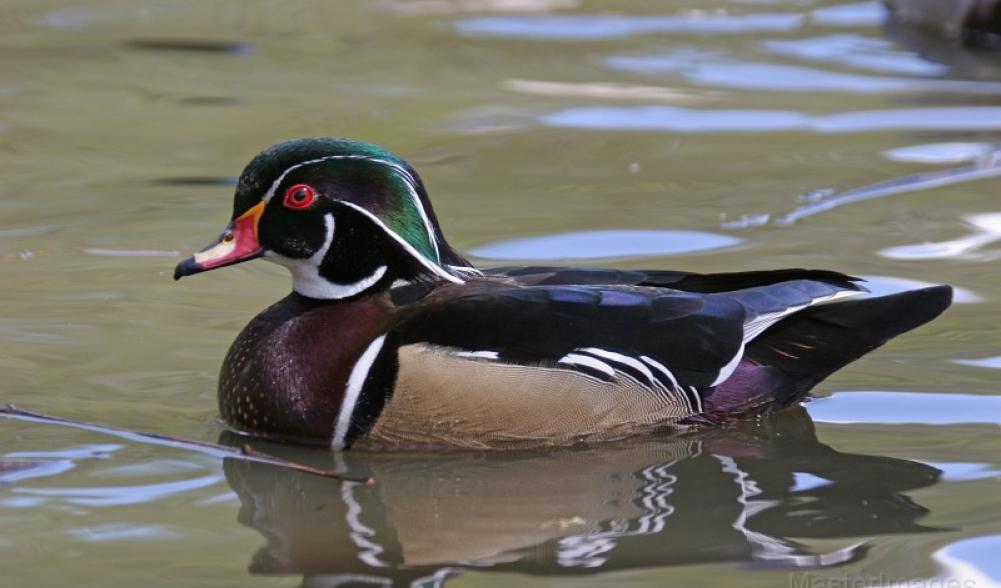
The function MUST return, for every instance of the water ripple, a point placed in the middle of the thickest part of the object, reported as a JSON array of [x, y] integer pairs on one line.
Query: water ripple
[[603, 245], [591, 27], [850, 15], [985, 230], [885, 285], [965, 471], [121, 532], [121, 495], [986, 362], [692, 120], [941, 153], [803, 481], [974, 561], [892, 408], [101, 252], [18, 470], [856, 51], [709, 68], [76, 452]]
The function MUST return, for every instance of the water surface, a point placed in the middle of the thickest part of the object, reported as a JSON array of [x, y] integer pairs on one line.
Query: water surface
[[629, 134]]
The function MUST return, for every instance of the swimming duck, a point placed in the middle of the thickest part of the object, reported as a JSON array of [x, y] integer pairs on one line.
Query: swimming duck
[[391, 338]]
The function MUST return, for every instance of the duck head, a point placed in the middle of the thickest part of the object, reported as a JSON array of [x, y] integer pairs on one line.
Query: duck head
[[343, 216]]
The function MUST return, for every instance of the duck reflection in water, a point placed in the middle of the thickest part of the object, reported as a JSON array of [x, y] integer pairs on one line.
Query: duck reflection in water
[[725, 495]]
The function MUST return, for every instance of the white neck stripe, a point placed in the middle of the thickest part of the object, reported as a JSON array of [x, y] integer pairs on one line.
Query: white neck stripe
[[335, 290], [356, 381]]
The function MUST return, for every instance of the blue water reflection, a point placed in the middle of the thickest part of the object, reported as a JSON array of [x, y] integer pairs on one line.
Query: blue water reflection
[[693, 120], [603, 245], [856, 51], [594, 26], [929, 408], [850, 15], [978, 553], [714, 71], [118, 495], [714, 68]]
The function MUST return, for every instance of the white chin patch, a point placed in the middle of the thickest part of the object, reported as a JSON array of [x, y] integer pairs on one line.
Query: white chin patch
[[306, 278]]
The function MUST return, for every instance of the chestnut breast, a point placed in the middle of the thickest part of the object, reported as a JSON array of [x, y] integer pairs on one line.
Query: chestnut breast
[[285, 375]]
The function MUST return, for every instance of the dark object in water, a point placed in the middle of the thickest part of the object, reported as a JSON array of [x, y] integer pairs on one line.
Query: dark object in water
[[972, 22], [192, 45]]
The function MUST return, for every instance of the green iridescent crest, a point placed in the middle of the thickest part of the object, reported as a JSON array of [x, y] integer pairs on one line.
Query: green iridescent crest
[[367, 177]]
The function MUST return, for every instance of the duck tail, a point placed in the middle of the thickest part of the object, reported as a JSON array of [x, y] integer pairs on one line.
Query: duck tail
[[782, 364]]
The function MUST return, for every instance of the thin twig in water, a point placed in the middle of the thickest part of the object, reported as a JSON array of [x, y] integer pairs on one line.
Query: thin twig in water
[[908, 183], [245, 453], [989, 167]]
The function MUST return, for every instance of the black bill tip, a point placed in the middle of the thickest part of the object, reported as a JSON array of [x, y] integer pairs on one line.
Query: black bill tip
[[187, 267]]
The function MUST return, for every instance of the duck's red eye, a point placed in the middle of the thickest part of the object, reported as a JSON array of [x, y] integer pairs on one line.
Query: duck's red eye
[[299, 196]]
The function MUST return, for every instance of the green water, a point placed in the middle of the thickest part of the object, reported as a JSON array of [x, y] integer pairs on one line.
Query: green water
[[123, 123]]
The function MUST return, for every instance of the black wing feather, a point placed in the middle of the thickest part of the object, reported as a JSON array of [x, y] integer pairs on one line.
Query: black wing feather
[[675, 280], [695, 335]]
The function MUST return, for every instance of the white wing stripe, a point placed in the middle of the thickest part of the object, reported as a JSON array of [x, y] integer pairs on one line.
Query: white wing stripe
[[758, 324], [726, 371], [676, 388], [623, 359], [584, 360], [662, 369]]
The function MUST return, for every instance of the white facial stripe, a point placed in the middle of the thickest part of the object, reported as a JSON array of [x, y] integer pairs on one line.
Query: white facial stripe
[[274, 185], [407, 177], [306, 278], [353, 391], [406, 246], [328, 239], [412, 188]]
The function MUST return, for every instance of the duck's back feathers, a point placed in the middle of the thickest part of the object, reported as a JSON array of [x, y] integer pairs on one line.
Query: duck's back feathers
[[502, 363], [795, 354], [675, 280], [698, 335]]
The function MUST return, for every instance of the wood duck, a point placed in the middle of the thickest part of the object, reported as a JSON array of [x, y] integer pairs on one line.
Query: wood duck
[[391, 339]]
